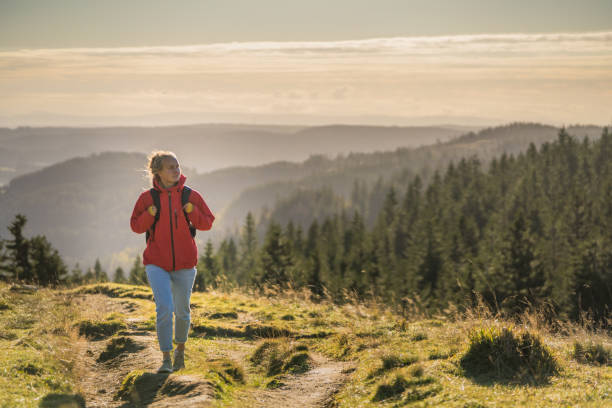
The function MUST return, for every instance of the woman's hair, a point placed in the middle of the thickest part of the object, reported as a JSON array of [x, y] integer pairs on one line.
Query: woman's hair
[[155, 163]]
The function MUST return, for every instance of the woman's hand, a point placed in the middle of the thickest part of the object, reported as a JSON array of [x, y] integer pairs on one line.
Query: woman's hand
[[152, 210], [188, 208]]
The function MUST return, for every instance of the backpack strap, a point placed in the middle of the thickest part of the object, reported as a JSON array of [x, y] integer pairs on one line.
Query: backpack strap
[[156, 202], [184, 200]]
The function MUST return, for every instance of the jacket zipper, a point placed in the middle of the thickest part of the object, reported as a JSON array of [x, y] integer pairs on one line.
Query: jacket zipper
[[171, 231]]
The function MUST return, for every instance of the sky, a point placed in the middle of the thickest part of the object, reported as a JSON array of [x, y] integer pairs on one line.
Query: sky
[[385, 62]]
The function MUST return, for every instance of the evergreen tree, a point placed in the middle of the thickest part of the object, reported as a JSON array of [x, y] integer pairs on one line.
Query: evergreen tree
[[138, 274], [275, 258], [521, 279], [119, 276], [99, 273], [76, 275], [593, 283], [18, 251], [247, 261], [47, 265], [208, 270]]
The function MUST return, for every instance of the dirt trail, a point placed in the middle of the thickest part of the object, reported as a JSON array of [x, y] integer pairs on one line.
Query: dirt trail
[[101, 380], [314, 388]]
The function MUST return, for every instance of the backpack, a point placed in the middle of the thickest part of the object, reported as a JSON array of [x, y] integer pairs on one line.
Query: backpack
[[156, 202]]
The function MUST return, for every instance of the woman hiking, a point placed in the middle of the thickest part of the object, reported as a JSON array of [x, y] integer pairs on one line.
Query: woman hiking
[[171, 253]]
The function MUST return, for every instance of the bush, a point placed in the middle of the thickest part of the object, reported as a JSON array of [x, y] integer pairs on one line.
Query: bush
[[500, 355]]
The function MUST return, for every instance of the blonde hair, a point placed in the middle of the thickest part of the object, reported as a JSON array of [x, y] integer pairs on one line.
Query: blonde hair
[[156, 161]]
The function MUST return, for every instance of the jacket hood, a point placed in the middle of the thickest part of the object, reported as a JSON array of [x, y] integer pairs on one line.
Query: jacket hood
[[178, 187]]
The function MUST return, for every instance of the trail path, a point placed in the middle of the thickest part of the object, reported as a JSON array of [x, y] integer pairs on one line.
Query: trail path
[[101, 380], [315, 388]]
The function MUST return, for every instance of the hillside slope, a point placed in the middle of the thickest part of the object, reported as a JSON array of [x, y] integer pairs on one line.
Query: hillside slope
[[283, 350]]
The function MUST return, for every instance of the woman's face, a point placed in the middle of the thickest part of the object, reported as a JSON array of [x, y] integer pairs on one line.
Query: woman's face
[[170, 172]]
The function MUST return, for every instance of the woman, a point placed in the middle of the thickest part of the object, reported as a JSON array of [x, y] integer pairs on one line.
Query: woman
[[171, 253]]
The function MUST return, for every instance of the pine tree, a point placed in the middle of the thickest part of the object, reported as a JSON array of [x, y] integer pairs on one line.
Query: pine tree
[[208, 270], [47, 265], [76, 275], [247, 261], [119, 276], [276, 258], [99, 273], [18, 251], [138, 274], [522, 277]]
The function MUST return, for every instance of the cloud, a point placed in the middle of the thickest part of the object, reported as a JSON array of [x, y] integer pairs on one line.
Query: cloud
[[485, 74]]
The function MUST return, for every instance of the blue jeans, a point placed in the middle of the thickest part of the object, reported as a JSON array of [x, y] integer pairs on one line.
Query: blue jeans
[[172, 291]]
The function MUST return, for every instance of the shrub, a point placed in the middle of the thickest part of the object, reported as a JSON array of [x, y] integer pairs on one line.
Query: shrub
[[500, 355]]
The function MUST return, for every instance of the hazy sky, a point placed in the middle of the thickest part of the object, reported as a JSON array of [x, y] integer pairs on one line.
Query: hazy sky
[[286, 61]]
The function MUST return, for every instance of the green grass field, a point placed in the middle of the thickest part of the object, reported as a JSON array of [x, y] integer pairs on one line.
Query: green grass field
[[470, 360]]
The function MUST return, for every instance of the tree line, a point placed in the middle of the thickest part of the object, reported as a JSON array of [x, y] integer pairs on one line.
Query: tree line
[[523, 231], [526, 230]]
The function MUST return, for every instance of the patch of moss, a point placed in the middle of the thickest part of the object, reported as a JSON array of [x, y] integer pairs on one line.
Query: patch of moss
[[500, 355], [96, 330], [592, 353]]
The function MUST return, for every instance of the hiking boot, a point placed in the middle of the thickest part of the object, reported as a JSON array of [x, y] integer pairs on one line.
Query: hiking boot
[[166, 366], [179, 359]]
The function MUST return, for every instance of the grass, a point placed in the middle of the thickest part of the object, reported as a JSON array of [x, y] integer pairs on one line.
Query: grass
[[592, 353], [276, 357], [417, 360], [99, 329], [116, 290], [37, 336], [504, 354]]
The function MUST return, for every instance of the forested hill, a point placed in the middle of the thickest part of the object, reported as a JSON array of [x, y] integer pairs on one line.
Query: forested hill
[[346, 180], [83, 205], [532, 230]]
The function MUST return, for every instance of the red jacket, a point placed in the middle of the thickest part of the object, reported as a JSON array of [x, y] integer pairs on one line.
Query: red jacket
[[171, 246]]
